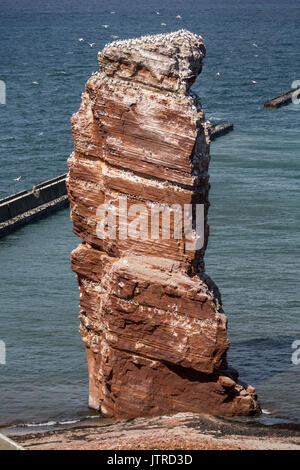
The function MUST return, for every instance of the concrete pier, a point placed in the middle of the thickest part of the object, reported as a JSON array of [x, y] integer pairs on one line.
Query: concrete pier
[[8, 444], [28, 206], [282, 100], [216, 130]]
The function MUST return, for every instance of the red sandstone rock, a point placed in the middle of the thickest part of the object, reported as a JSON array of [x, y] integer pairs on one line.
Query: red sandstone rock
[[151, 319]]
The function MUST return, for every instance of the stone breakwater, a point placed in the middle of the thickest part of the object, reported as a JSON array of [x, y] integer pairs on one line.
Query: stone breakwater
[[25, 207], [151, 319]]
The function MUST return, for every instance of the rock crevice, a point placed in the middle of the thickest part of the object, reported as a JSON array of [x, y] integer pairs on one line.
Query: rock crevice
[[151, 319]]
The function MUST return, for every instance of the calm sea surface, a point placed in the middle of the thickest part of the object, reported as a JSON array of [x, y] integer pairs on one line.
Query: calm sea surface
[[253, 253]]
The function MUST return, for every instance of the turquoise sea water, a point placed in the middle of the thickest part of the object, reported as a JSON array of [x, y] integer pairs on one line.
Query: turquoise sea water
[[253, 253]]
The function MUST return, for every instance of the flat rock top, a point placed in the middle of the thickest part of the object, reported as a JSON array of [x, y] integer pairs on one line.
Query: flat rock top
[[176, 55], [163, 43]]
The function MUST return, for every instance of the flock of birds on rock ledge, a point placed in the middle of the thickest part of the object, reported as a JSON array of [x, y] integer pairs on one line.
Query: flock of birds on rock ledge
[[182, 35]]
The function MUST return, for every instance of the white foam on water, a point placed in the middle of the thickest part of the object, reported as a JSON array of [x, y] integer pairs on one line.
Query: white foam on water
[[266, 412]]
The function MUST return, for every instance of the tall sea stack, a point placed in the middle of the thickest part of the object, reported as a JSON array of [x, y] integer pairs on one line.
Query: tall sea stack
[[151, 319]]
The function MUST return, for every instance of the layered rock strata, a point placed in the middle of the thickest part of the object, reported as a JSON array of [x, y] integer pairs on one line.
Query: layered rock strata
[[151, 319]]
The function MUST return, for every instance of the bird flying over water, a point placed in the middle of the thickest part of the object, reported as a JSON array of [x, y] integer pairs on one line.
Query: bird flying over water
[[18, 179]]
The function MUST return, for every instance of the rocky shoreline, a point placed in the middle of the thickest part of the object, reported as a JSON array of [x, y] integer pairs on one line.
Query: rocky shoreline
[[184, 431]]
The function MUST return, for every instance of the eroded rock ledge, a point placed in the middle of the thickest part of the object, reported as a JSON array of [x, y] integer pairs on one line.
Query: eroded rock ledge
[[151, 319]]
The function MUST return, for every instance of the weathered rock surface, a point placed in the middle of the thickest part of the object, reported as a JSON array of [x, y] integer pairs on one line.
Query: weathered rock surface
[[151, 319]]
